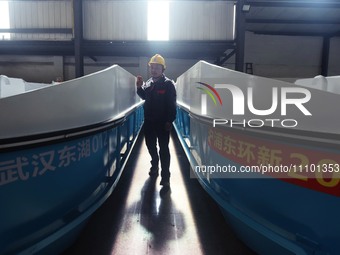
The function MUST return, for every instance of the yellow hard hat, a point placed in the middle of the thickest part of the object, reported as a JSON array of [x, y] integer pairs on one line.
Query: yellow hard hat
[[157, 59]]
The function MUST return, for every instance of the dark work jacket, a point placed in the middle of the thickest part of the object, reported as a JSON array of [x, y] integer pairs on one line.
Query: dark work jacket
[[160, 100]]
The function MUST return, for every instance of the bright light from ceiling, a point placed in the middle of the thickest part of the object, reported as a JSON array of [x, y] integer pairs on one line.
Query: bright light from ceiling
[[4, 19], [158, 20]]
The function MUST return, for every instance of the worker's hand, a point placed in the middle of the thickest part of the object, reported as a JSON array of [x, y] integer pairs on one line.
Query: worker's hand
[[168, 126], [139, 81]]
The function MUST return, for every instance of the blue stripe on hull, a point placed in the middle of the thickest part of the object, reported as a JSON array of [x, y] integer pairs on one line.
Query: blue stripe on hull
[[270, 215], [49, 191]]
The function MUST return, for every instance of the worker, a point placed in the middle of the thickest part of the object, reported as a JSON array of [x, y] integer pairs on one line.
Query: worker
[[159, 94]]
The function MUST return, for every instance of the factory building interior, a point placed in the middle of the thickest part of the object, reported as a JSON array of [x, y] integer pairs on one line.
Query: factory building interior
[[87, 54]]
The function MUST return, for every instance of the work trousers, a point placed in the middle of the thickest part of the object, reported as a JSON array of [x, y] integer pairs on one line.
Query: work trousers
[[154, 131]]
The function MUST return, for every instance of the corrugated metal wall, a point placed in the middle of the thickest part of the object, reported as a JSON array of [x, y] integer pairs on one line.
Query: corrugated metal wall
[[115, 20], [40, 14], [189, 20], [123, 20]]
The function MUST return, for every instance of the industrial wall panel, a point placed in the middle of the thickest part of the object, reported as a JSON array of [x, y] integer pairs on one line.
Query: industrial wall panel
[[201, 20], [115, 20], [40, 14]]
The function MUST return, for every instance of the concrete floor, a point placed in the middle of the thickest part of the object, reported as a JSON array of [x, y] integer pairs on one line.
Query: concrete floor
[[138, 218]]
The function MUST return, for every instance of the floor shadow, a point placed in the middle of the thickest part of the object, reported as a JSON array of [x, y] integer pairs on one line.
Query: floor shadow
[[159, 216]]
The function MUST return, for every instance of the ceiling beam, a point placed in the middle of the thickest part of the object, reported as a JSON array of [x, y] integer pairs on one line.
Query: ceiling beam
[[175, 49], [57, 48], [295, 3], [293, 33], [284, 21], [335, 34], [37, 30]]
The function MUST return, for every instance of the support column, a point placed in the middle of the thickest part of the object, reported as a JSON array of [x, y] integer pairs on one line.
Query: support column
[[58, 62], [325, 55], [143, 67], [78, 37], [240, 36]]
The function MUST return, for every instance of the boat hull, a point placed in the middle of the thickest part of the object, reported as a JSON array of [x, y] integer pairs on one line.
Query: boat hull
[[49, 190], [272, 167], [273, 213], [63, 148]]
